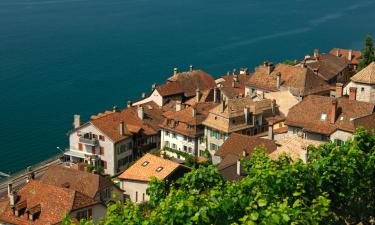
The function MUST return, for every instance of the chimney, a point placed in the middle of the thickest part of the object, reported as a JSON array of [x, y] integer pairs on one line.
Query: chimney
[[338, 52], [353, 93], [114, 108], [197, 94], [222, 106], [265, 63], [122, 128], [12, 198], [215, 94], [316, 53], [333, 111], [194, 112], [350, 55], [143, 95], [278, 80], [234, 71], [233, 83], [178, 106], [269, 68], [339, 90], [77, 121], [10, 189], [270, 131], [273, 106], [153, 87], [140, 112], [129, 104], [191, 68], [246, 113], [238, 167], [175, 71], [30, 176], [244, 71]]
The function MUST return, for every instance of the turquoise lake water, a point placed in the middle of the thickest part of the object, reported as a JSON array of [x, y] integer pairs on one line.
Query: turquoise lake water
[[61, 57]]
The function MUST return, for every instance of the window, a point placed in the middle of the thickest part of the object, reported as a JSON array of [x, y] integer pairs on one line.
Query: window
[[362, 89], [190, 139], [211, 133], [167, 133], [130, 145], [136, 196], [143, 196], [185, 138], [217, 135], [103, 164], [174, 135], [166, 143], [174, 146], [101, 150], [185, 148], [95, 136], [160, 168], [214, 147], [190, 150], [84, 214], [93, 149], [145, 163], [80, 146], [101, 137], [323, 116], [124, 161]]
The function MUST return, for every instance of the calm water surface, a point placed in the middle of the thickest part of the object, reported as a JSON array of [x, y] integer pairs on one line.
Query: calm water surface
[[61, 57]]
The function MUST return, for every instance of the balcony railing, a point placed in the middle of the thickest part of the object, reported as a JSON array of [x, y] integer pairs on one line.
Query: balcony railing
[[87, 141]]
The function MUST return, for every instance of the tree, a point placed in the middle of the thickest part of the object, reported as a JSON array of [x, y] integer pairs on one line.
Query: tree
[[335, 186], [368, 55]]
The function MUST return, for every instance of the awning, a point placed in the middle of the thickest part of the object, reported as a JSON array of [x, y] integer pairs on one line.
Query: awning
[[75, 154]]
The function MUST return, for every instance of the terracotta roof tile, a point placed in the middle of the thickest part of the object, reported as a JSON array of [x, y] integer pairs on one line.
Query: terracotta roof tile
[[147, 167], [344, 54], [328, 66], [308, 114], [55, 203], [299, 80], [366, 75], [187, 83], [84, 182], [237, 143]]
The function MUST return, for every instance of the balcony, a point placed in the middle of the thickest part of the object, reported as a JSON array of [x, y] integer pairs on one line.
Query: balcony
[[88, 141]]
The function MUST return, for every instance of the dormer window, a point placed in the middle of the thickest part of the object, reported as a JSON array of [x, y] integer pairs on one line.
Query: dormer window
[[342, 118], [323, 117], [159, 169], [145, 163], [34, 212]]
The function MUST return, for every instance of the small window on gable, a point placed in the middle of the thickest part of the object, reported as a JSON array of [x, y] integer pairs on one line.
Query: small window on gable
[[362, 89], [323, 116], [160, 168], [342, 118], [145, 163]]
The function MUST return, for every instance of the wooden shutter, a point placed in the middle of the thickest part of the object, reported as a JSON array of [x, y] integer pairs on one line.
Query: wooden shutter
[[93, 149], [101, 150], [90, 212], [80, 147]]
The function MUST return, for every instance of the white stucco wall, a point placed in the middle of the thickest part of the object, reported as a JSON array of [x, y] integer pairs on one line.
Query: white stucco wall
[[98, 212], [180, 142], [365, 92], [133, 188], [341, 135], [155, 97], [107, 144]]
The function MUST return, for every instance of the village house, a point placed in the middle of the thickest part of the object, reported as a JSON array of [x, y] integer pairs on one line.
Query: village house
[[38, 203], [115, 138], [331, 68], [183, 130], [239, 146], [233, 85], [95, 186], [327, 119], [300, 81], [362, 85], [239, 115], [135, 180], [181, 86], [354, 57]]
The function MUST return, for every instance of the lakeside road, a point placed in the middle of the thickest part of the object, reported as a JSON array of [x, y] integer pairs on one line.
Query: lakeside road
[[20, 179]]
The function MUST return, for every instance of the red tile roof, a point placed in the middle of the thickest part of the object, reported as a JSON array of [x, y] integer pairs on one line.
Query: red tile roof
[[54, 202], [328, 66], [187, 83], [237, 143], [147, 167], [344, 54], [301, 81], [87, 183], [308, 114]]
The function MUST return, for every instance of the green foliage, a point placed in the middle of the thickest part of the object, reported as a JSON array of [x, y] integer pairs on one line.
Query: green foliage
[[290, 62], [335, 186], [368, 55], [157, 191], [190, 160]]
